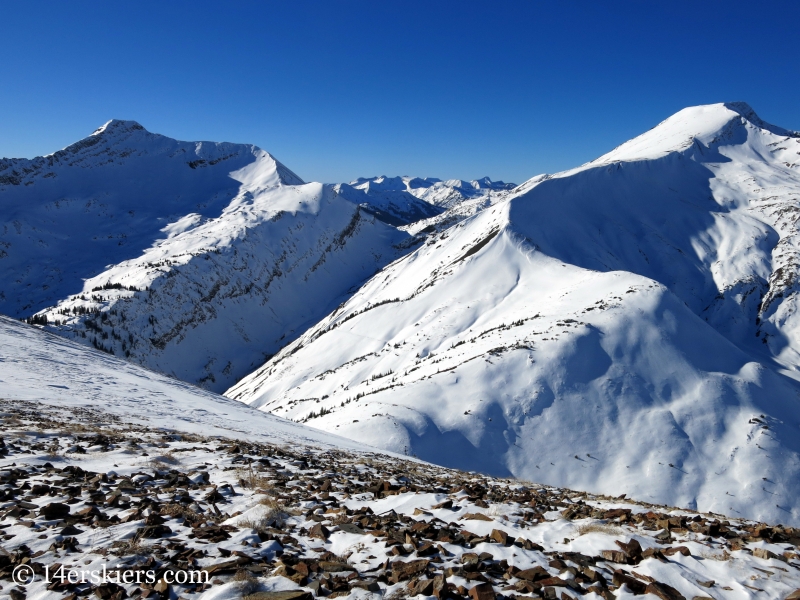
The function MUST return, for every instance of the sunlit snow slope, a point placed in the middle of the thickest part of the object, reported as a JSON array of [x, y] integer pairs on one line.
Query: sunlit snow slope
[[601, 329], [196, 259], [42, 367]]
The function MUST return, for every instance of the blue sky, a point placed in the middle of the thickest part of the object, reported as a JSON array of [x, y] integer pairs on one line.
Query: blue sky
[[343, 89]]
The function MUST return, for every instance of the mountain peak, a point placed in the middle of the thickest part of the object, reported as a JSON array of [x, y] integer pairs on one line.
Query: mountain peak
[[118, 126], [707, 124]]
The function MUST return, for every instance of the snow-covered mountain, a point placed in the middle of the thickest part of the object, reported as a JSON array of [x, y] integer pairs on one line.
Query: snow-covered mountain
[[105, 199], [434, 191], [628, 326], [195, 259], [455, 199]]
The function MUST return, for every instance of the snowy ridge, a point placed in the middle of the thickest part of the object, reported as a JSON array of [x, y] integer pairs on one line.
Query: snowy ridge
[[394, 207], [215, 301], [103, 200], [190, 258], [595, 330]]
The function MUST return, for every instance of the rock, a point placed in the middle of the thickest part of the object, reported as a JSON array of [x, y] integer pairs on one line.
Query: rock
[[445, 504], [795, 595], [440, 587], [54, 510], [314, 586], [424, 587], [153, 531], [533, 574], [633, 550], [335, 567], [228, 566], [499, 536], [663, 535], [634, 585], [370, 586], [154, 519], [736, 543], [71, 530], [470, 561], [482, 591], [764, 553], [319, 531], [110, 591], [616, 513], [350, 528], [617, 556], [529, 545], [40, 489], [676, 550], [592, 575], [476, 517], [16, 594], [663, 591], [653, 553], [402, 571], [287, 595], [426, 549]]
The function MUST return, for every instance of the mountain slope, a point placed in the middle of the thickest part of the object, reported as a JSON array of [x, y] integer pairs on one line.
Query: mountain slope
[[118, 470], [197, 260], [222, 297], [592, 331], [36, 366]]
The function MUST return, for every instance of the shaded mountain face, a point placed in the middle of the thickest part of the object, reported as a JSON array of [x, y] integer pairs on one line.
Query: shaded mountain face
[[196, 259], [624, 327]]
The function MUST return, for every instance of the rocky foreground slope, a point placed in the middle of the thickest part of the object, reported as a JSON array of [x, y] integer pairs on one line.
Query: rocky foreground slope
[[287, 522], [163, 478]]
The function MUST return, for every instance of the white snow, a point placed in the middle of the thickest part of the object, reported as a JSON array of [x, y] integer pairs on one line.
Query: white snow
[[54, 372], [596, 330]]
